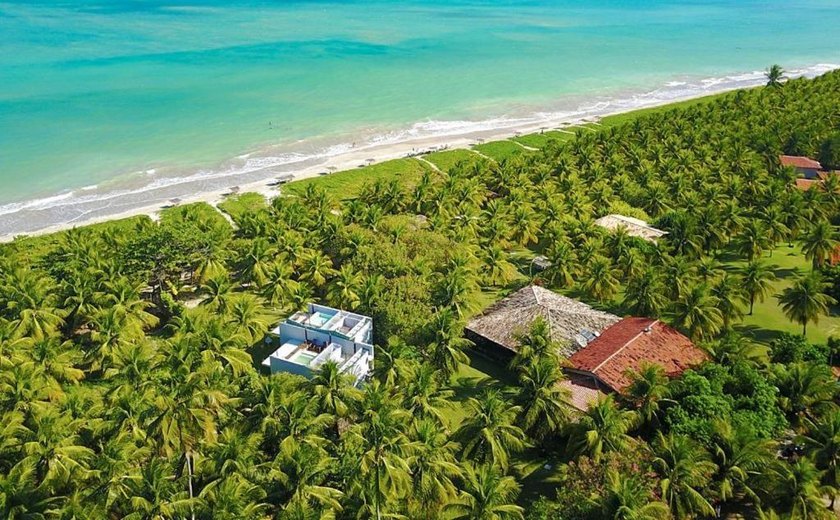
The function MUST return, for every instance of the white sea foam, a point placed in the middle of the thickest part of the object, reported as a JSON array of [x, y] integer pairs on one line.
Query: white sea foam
[[61, 208]]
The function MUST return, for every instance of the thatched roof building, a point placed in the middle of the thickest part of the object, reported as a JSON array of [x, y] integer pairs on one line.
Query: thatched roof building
[[572, 323], [635, 227]]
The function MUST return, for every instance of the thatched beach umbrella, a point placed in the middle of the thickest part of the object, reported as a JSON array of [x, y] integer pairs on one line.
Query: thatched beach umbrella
[[370, 161]]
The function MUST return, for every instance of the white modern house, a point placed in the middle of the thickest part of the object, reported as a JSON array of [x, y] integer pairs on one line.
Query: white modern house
[[309, 339]]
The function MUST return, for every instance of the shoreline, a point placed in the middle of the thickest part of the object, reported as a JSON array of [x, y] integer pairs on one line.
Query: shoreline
[[344, 158]]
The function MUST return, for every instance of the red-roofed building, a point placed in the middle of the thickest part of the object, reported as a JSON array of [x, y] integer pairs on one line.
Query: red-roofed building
[[804, 165], [807, 184], [583, 390], [834, 258], [628, 345]]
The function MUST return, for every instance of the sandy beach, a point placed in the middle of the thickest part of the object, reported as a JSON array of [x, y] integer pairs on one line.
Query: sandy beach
[[37, 220]]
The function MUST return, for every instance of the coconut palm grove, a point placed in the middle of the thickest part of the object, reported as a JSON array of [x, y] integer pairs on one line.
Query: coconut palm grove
[[131, 383]]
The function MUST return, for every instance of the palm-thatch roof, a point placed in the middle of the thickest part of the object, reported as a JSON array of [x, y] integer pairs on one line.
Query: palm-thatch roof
[[634, 227], [572, 323]]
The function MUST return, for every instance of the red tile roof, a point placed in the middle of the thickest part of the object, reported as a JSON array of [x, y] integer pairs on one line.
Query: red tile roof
[[799, 162], [834, 258], [629, 344], [583, 391], [807, 184]]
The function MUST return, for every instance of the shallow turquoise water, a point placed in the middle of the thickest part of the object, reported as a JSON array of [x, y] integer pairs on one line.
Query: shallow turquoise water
[[97, 92]]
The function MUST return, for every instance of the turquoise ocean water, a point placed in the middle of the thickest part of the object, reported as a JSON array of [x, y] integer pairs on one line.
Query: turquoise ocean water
[[105, 103]]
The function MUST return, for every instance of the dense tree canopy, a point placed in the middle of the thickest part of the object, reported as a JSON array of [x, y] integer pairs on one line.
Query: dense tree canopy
[[128, 351]]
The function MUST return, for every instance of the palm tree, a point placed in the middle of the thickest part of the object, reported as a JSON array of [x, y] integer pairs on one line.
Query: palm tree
[[233, 498], [736, 348], [434, 469], [31, 303], [775, 74], [489, 434], [757, 280], [220, 345], [333, 391], [626, 498], [151, 492], [600, 283], [805, 301], [647, 392], [384, 474], [741, 461], [424, 398], [487, 495], [546, 407], [305, 470], [803, 389], [20, 495], [446, 351], [124, 296], [279, 284], [343, 291], [799, 492], [645, 294], [498, 270], [698, 313], [256, 261], [563, 266], [602, 429], [753, 240], [819, 242], [684, 468], [248, 317], [731, 300], [317, 269], [534, 344], [184, 414], [822, 440], [458, 285]]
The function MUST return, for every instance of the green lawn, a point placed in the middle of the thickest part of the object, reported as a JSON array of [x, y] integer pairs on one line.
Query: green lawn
[[768, 320], [449, 158], [347, 184], [500, 150], [540, 140], [238, 205]]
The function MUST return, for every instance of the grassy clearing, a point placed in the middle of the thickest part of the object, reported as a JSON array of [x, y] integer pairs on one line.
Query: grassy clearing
[[500, 150], [449, 158], [348, 184], [204, 211], [541, 140], [239, 205], [768, 320]]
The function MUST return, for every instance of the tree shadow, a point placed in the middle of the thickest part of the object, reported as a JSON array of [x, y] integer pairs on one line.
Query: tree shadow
[[783, 273], [759, 334]]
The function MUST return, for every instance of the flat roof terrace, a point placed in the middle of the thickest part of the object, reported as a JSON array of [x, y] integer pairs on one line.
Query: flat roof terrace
[[341, 323]]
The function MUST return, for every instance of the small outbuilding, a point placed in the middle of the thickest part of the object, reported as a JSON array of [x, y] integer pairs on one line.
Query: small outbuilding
[[805, 166], [635, 227]]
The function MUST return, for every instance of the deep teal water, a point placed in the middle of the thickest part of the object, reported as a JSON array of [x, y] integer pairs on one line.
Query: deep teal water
[[101, 92]]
